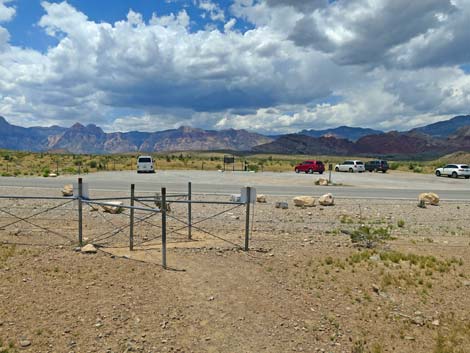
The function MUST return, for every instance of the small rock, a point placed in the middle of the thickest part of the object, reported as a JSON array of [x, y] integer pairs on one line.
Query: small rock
[[282, 205], [261, 198], [89, 249], [67, 190], [235, 197], [211, 298], [113, 207], [376, 288], [435, 322], [322, 182], [25, 342], [409, 338]]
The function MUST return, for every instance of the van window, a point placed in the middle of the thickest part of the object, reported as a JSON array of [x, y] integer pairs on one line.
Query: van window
[[359, 163], [145, 160]]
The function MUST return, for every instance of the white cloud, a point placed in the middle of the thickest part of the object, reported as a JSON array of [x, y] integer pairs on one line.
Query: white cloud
[[6, 12], [303, 65], [214, 10]]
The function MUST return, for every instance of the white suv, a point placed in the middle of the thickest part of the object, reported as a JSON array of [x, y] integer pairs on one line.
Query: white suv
[[454, 171], [351, 167], [145, 164]]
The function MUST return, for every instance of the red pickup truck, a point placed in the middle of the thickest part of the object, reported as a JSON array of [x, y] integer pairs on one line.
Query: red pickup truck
[[310, 167]]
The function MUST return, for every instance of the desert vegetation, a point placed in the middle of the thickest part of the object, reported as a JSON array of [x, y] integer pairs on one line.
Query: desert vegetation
[[15, 163]]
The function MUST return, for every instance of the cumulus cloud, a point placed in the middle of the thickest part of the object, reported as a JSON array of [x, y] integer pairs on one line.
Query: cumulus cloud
[[214, 11], [6, 12], [304, 64]]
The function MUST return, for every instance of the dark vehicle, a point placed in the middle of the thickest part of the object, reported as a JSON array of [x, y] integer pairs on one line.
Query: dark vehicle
[[377, 166], [310, 167]]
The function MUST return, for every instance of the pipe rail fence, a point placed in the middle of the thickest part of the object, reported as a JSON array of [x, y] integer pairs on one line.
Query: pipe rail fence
[[146, 220], [138, 210]]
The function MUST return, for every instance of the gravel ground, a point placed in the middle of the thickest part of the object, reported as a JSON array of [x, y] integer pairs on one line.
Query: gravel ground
[[303, 287]]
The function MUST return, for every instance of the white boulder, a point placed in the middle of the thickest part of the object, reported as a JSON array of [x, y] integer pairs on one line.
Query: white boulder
[[67, 190], [326, 200], [113, 207], [429, 198], [322, 182], [304, 201], [89, 249], [261, 198]]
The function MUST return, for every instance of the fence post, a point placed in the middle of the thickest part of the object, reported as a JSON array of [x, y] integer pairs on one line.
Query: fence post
[[163, 210], [247, 218], [131, 225], [190, 218], [80, 212]]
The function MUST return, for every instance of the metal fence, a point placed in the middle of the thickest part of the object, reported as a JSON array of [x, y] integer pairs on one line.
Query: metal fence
[[160, 219], [68, 226]]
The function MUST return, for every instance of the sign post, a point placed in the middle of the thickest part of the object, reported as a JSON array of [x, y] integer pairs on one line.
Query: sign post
[[229, 160]]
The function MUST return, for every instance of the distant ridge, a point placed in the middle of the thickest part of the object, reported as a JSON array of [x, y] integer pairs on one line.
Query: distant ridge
[[444, 128], [92, 139], [437, 139], [342, 132]]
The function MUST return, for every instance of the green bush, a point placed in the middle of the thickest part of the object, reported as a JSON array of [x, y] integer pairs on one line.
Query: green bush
[[369, 237], [394, 166]]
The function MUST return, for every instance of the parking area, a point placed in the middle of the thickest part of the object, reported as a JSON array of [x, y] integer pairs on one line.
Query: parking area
[[400, 185]]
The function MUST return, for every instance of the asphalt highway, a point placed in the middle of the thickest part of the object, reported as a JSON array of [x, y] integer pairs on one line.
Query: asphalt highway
[[393, 185]]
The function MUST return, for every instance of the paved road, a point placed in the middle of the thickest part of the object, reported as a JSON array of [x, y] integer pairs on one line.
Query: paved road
[[394, 185]]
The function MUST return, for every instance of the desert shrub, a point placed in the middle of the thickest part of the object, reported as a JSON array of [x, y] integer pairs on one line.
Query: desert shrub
[[369, 237], [394, 166], [93, 164]]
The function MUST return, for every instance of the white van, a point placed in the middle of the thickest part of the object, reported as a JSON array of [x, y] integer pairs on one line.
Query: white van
[[145, 164]]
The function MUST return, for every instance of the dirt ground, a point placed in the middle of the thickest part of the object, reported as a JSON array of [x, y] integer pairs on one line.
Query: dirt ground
[[303, 286]]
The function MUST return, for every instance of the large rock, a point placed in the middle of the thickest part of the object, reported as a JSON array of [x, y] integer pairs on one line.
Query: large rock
[[67, 190], [112, 207], [89, 249], [326, 200], [304, 201], [322, 182], [429, 198], [261, 198]]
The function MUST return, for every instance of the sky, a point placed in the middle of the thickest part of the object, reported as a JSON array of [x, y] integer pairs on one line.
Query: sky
[[271, 66]]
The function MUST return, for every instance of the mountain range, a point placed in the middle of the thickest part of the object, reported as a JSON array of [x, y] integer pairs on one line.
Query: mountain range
[[92, 139], [433, 139], [342, 132]]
